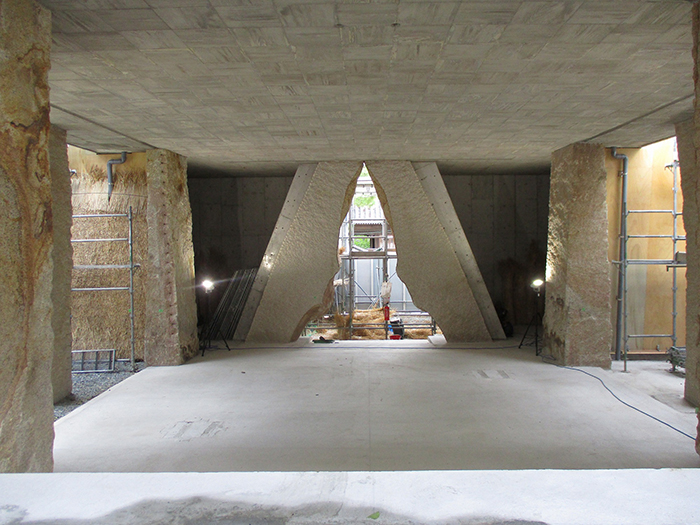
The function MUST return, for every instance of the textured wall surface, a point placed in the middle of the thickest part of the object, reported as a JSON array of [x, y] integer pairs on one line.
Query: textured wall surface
[[62, 264], [687, 150], [100, 318], [232, 222], [505, 219], [171, 311], [427, 262], [26, 236], [577, 314], [306, 261]]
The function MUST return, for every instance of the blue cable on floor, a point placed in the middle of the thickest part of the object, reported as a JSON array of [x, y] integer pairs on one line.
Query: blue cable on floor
[[620, 400]]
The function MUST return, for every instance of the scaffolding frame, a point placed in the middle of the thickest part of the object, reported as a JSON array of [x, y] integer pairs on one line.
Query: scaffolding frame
[[671, 264], [129, 239], [384, 254]]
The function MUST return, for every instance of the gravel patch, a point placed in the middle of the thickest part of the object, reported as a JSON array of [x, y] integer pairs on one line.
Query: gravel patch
[[87, 386]]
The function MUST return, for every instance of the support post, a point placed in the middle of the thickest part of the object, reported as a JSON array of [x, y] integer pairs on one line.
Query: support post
[[686, 133], [577, 327], [26, 240], [171, 312], [62, 214]]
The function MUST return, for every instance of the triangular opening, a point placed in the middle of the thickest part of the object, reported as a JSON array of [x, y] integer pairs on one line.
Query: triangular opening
[[368, 259]]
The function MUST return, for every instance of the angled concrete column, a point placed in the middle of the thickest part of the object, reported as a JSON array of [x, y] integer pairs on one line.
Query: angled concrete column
[[171, 312], [577, 312], [26, 237], [294, 282], [62, 264], [427, 261], [440, 200]]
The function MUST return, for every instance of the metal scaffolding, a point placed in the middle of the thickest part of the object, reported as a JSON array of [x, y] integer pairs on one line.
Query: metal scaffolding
[[129, 239], [676, 261], [381, 251]]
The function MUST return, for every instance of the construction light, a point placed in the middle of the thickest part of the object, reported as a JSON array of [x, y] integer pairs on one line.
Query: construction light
[[208, 285], [537, 284]]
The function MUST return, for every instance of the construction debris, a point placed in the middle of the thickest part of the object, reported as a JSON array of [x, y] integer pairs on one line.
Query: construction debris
[[367, 324]]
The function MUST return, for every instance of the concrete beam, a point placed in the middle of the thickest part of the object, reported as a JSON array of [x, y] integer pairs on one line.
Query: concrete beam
[[26, 240], [577, 323], [427, 261], [171, 310], [62, 264], [440, 200], [294, 281]]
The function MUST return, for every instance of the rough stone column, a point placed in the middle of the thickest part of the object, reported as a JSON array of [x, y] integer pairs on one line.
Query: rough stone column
[[26, 236], [294, 282], [690, 185], [62, 264], [577, 328], [171, 312]]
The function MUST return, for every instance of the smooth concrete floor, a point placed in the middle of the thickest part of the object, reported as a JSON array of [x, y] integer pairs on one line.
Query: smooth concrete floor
[[370, 406]]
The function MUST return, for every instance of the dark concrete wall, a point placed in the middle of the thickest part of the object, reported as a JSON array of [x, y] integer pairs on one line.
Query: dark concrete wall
[[505, 220], [502, 216], [232, 222]]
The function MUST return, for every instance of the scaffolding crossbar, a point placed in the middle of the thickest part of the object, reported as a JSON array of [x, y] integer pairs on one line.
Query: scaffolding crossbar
[[653, 211], [101, 267], [99, 289], [99, 240], [101, 215]]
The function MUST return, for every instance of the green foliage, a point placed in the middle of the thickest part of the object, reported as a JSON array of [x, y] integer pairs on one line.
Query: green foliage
[[364, 201], [362, 242]]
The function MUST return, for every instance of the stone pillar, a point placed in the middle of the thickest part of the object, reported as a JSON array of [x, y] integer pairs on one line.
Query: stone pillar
[[294, 282], [62, 264], [690, 185], [171, 312], [577, 328], [26, 236]]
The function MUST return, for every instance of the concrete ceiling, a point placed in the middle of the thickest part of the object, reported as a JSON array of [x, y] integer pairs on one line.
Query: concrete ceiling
[[259, 86]]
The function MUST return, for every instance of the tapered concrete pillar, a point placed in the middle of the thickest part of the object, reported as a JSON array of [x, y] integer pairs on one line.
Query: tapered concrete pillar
[[428, 261], [294, 282], [62, 264], [577, 328], [171, 312], [26, 237]]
